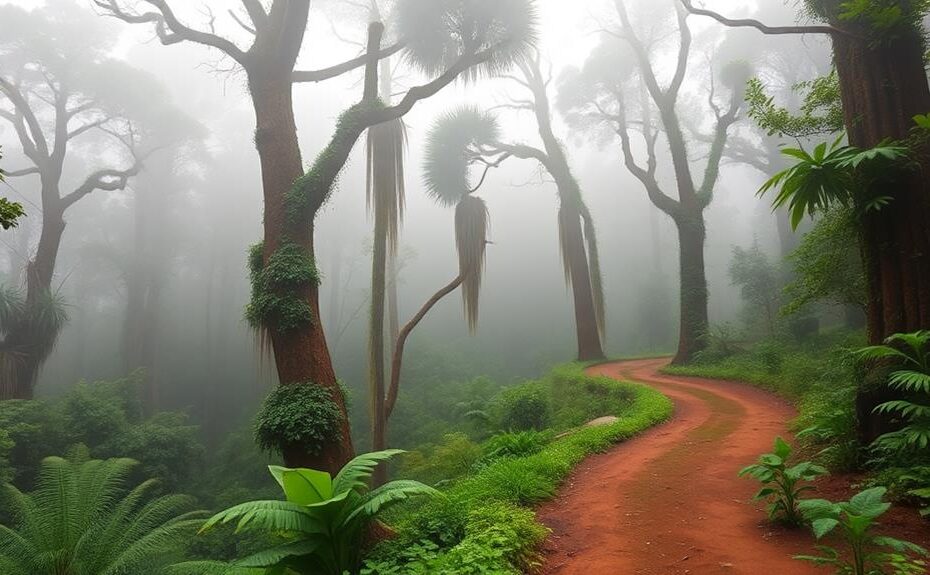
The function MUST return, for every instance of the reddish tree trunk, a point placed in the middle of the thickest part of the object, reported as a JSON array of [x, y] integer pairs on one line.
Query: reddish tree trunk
[[301, 354], [883, 86]]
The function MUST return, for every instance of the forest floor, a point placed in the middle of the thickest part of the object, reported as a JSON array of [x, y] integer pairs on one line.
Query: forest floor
[[670, 502]]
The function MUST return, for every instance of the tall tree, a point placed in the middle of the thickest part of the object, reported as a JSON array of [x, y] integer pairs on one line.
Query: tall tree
[[474, 136], [878, 50], [50, 95], [472, 36], [598, 95]]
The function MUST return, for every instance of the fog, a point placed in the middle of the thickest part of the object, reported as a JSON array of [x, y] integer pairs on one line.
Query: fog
[[201, 205]]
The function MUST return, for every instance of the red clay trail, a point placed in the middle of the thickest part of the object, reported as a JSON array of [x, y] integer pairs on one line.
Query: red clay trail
[[669, 501]]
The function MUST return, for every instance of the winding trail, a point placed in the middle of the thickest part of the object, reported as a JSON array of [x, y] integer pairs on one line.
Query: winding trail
[[669, 501]]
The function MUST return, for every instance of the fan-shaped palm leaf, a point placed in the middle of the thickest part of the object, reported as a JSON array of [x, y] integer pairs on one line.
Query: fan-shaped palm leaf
[[452, 148], [439, 33]]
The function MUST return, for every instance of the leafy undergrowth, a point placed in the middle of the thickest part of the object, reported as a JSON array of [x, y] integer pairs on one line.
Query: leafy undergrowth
[[483, 522], [818, 375]]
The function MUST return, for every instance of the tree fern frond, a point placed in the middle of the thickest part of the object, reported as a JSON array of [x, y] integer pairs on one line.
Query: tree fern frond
[[271, 557], [386, 495], [356, 473], [271, 515]]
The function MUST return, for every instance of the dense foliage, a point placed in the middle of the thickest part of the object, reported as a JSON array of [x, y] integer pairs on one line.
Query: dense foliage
[[320, 526], [482, 524], [86, 518], [107, 419]]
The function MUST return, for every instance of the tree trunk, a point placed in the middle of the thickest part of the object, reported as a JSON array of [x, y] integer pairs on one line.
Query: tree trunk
[[693, 282], [579, 274], [376, 339], [301, 354], [883, 86], [25, 345]]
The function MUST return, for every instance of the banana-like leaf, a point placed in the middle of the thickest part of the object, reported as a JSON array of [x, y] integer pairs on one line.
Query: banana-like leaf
[[272, 557]]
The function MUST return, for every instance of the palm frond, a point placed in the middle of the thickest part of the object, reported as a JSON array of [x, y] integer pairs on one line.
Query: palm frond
[[273, 556], [355, 474], [471, 233], [452, 148], [439, 33], [272, 515], [386, 495]]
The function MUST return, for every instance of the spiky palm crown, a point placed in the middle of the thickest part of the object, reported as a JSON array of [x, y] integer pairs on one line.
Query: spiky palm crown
[[83, 519], [36, 327], [452, 148], [440, 32]]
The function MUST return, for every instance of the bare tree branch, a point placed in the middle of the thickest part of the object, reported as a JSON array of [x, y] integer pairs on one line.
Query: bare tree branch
[[769, 30], [251, 30], [341, 68], [684, 50], [108, 180], [397, 360], [20, 173], [87, 127], [25, 122], [170, 30], [256, 13]]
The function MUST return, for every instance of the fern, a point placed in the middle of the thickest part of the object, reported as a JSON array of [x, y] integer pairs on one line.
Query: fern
[[911, 352], [84, 516]]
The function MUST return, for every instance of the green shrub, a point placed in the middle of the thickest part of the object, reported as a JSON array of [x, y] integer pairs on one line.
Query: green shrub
[[498, 539], [321, 524], [300, 414], [482, 526], [868, 553], [910, 484], [514, 444], [910, 377], [166, 445], [783, 484], [451, 458], [524, 407]]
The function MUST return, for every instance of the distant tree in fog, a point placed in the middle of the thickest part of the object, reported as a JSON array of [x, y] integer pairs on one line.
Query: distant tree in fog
[[619, 89], [61, 93]]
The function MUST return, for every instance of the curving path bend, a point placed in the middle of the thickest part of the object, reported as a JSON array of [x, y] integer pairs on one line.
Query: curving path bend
[[669, 501]]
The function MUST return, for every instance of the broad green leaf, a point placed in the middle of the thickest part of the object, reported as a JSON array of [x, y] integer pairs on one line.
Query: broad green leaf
[[307, 486], [823, 526], [869, 503], [782, 449]]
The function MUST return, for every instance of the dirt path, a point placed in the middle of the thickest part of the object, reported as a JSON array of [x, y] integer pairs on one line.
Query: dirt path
[[669, 502]]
